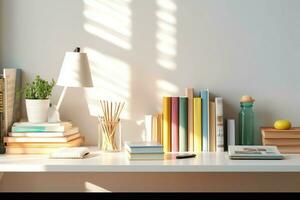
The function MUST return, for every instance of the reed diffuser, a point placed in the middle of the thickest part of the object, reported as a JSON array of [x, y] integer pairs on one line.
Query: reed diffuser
[[109, 125]]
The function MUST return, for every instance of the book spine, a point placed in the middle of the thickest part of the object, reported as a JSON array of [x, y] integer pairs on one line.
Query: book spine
[[37, 129], [154, 128], [197, 125], [219, 124], [175, 127], [167, 123], [212, 126], [231, 132], [160, 128], [148, 127], [205, 120], [189, 92], [183, 124]]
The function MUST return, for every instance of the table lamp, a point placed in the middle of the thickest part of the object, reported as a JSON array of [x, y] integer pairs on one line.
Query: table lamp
[[75, 72]]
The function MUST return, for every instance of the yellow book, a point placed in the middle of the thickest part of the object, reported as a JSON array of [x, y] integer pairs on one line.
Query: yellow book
[[157, 128], [167, 123], [197, 125]]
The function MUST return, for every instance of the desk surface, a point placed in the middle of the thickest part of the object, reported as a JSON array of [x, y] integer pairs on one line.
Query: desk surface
[[118, 162]]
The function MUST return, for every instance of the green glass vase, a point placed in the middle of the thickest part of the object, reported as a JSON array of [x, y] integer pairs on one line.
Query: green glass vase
[[246, 124]]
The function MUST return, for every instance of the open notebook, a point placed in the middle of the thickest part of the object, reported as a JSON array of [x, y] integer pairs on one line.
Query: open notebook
[[70, 152]]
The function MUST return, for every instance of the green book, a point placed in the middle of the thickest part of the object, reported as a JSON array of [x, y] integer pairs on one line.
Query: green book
[[183, 124]]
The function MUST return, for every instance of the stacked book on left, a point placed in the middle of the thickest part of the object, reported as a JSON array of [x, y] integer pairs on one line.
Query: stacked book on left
[[41, 138]]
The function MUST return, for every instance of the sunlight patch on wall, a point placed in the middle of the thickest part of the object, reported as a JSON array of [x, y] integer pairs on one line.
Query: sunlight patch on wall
[[109, 20], [111, 79], [166, 34]]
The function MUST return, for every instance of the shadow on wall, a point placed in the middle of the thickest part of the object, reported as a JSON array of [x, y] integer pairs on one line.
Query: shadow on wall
[[114, 72]]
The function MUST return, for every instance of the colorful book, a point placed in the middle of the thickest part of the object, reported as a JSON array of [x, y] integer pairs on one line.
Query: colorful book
[[34, 150], [219, 124], [145, 144], [183, 124], [145, 156], [167, 123], [189, 92], [41, 127], [268, 132], [143, 147], [41, 139], [212, 126], [157, 128], [197, 125], [73, 143], [205, 120], [281, 141], [72, 131], [175, 124], [289, 149]]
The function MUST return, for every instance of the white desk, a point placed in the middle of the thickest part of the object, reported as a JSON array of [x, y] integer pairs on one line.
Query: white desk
[[209, 167], [118, 162]]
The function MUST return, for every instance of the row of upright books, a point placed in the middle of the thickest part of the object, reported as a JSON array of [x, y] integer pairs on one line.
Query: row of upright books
[[41, 138], [10, 101], [191, 123]]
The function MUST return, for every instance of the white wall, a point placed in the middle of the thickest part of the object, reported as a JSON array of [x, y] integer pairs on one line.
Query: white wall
[[232, 47]]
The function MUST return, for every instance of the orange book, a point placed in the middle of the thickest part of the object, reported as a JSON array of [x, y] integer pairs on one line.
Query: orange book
[[73, 143], [268, 132], [281, 141], [189, 92], [289, 149], [167, 123], [212, 126]]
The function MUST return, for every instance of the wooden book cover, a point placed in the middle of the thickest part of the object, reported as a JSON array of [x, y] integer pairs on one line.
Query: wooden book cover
[[167, 123], [38, 150], [268, 132], [73, 143], [281, 141], [212, 126], [289, 149], [175, 125], [183, 124], [197, 125], [189, 92], [41, 139]]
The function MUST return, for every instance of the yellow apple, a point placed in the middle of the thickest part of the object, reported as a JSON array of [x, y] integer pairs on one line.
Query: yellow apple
[[282, 124]]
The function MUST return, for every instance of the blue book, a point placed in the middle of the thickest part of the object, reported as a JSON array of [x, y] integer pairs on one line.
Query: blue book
[[205, 119], [144, 147]]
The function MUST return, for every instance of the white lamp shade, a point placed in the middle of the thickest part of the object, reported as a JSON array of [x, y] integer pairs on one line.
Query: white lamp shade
[[75, 71]]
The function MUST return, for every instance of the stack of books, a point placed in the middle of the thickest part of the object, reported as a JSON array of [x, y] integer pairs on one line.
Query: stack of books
[[144, 150], [287, 141], [41, 138]]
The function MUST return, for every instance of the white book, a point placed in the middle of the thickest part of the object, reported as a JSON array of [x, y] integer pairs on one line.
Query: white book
[[70, 153], [72, 131], [231, 132], [148, 127], [219, 125], [254, 152]]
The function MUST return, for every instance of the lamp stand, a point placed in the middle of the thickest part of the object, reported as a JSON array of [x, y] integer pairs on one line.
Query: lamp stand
[[53, 114]]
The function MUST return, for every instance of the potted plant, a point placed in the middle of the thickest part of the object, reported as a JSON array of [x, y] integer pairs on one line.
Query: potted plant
[[37, 100]]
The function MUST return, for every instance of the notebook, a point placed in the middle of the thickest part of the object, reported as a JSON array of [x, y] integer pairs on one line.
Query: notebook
[[70, 153], [254, 153]]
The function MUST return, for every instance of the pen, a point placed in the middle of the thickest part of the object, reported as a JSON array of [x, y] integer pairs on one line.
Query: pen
[[181, 156]]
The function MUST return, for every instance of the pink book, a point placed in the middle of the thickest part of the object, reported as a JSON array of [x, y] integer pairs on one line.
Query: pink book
[[175, 126]]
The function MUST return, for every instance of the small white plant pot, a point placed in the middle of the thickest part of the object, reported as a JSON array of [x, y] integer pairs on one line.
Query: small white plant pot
[[37, 110]]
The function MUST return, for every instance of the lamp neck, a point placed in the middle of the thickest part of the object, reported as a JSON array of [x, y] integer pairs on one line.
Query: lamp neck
[[61, 97]]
